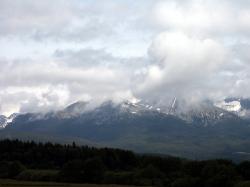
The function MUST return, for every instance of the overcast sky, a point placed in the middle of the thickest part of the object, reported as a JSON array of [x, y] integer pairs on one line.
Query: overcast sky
[[53, 53]]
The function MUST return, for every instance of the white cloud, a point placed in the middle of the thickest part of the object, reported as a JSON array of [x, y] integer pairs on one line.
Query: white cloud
[[56, 52], [201, 51], [210, 17], [182, 63], [31, 85]]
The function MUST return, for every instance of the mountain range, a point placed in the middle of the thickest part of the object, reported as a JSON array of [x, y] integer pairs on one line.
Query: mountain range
[[202, 131]]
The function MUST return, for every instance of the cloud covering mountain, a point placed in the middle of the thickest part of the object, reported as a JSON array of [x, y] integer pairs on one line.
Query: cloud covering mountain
[[56, 52]]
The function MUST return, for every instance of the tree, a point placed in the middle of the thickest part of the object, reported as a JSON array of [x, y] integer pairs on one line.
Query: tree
[[244, 169], [15, 168], [186, 182], [4, 169], [72, 171], [93, 170]]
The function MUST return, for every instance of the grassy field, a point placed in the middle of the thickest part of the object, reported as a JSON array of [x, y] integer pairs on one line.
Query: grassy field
[[13, 183]]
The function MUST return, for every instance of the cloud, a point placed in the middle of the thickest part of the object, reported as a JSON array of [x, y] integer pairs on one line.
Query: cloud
[[67, 21], [55, 53], [208, 17], [51, 84], [201, 52], [182, 64]]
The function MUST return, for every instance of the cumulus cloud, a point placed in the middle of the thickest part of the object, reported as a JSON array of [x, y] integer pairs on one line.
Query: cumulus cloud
[[57, 52], [50, 84], [199, 53], [182, 63]]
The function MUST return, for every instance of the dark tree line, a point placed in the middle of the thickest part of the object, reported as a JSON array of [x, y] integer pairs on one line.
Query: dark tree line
[[71, 163]]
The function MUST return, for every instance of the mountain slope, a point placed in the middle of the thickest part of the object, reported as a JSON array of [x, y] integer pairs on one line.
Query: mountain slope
[[202, 133], [3, 121]]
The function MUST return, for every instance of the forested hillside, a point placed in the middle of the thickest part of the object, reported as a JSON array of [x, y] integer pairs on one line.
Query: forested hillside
[[71, 163]]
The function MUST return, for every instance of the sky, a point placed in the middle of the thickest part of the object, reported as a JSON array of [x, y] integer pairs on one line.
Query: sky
[[54, 53]]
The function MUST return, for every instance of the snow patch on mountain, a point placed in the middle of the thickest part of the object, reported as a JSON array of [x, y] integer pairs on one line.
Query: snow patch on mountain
[[137, 107], [232, 106], [4, 121], [72, 110], [205, 114], [238, 106]]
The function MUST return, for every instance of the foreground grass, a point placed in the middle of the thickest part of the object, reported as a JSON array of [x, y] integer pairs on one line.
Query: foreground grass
[[14, 183]]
